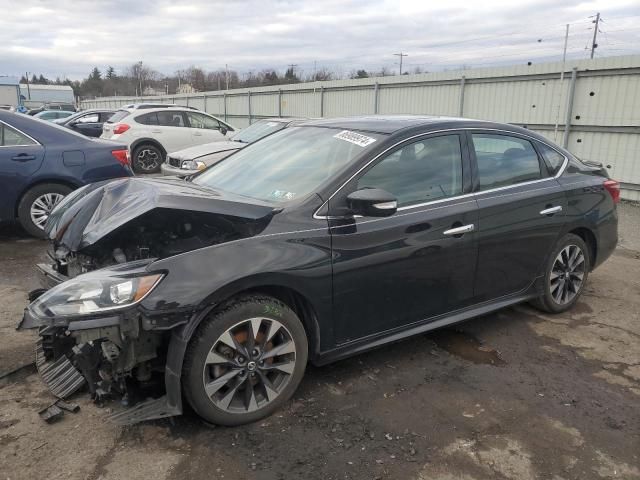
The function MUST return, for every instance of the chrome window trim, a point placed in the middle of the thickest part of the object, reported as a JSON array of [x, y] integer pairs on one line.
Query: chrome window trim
[[21, 132], [472, 194]]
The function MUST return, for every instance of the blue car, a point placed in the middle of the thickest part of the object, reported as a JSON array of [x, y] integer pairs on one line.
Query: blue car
[[40, 163]]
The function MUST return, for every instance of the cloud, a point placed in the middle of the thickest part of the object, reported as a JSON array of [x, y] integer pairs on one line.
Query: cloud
[[69, 37]]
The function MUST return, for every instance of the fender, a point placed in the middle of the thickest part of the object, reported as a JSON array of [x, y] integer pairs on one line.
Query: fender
[[181, 336]]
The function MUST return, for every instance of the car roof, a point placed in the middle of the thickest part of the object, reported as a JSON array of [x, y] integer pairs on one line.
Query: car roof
[[390, 124]]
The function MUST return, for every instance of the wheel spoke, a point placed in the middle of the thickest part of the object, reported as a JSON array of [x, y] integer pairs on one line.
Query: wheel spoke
[[212, 387], [287, 366], [250, 401], [228, 397], [216, 358], [287, 347]]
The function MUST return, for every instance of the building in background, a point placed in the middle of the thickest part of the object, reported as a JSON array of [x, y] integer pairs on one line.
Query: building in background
[[185, 88], [37, 95], [9, 92]]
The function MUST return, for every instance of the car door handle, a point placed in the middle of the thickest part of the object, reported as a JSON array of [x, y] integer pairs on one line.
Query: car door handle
[[23, 157], [197, 134], [551, 210], [156, 131], [460, 230]]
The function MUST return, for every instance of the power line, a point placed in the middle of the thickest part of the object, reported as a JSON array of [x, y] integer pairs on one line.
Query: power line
[[401, 55]]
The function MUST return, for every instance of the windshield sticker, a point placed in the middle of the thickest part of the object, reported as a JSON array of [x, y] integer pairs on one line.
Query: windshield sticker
[[283, 195], [353, 137]]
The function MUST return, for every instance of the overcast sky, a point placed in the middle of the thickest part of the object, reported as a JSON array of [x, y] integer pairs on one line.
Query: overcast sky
[[67, 38]]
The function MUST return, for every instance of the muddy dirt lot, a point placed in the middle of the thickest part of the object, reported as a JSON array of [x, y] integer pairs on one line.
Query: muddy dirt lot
[[513, 395]]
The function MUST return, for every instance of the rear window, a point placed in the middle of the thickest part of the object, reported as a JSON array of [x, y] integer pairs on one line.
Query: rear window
[[119, 115]]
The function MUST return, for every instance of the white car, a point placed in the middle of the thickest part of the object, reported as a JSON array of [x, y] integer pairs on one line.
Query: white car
[[151, 133]]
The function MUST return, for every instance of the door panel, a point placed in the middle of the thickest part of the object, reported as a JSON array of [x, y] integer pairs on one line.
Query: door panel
[[391, 272], [514, 237], [521, 212], [20, 158]]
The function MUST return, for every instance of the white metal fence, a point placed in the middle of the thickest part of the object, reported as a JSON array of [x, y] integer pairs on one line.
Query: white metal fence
[[596, 106]]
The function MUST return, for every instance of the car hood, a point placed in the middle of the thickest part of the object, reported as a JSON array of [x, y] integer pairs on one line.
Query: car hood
[[192, 153], [92, 212]]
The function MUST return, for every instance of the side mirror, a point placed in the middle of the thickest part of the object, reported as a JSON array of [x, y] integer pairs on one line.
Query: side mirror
[[372, 202], [73, 124], [223, 130]]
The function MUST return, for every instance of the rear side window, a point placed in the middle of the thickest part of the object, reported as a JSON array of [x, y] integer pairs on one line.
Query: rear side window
[[170, 119], [146, 119], [104, 116], [553, 160], [10, 137], [119, 115], [504, 160]]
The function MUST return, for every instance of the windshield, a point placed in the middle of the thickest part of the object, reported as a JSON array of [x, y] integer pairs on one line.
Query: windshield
[[119, 115], [289, 164], [258, 130]]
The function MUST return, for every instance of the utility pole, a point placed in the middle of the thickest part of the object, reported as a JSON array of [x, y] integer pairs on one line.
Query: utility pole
[[28, 88], [401, 55], [594, 45], [226, 69], [292, 66], [564, 61]]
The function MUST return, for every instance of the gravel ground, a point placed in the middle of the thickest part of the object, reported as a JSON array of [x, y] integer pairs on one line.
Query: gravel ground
[[512, 395]]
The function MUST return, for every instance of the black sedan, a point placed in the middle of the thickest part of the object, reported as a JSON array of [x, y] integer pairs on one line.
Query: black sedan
[[40, 163], [318, 242], [87, 122]]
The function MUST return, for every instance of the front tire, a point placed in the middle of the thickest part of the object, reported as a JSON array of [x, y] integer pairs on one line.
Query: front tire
[[36, 205], [147, 158], [565, 276], [245, 361]]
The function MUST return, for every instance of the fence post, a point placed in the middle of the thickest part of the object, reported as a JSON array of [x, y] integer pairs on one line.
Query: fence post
[[376, 92], [567, 121], [279, 102], [321, 102], [461, 101], [249, 104], [224, 102], [187, 97], [205, 102]]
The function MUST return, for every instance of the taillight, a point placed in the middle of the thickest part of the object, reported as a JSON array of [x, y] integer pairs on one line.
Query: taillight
[[613, 188], [122, 156], [120, 128]]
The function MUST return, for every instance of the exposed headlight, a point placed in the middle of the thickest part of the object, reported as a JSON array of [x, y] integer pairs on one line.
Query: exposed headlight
[[91, 293], [193, 165]]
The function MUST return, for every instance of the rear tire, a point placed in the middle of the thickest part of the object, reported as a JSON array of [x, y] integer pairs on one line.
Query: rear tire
[[565, 275], [36, 205], [147, 158], [244, 361]]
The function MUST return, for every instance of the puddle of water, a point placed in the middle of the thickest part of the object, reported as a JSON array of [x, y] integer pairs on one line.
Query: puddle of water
[[467, 347]]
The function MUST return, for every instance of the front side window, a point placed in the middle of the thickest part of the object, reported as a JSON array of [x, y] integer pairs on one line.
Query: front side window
[[198, 120], [91, 118], [170, 119], [419, 172], [289, 164], [504, 160], [10, 137]]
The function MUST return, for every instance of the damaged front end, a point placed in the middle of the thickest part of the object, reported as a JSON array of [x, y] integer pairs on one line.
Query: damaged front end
[[91, 334], [94, 328]]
